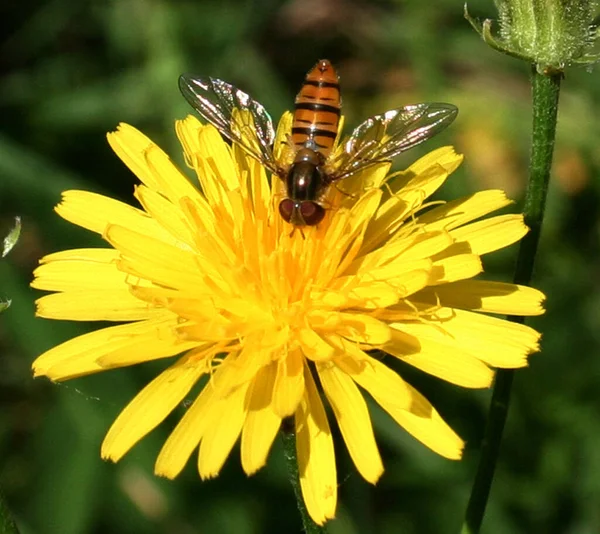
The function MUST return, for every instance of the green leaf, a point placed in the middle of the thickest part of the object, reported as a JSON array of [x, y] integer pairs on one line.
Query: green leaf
[[13, 236]]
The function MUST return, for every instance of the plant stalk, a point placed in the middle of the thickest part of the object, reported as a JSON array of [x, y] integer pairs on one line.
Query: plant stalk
[[545, 94], [288, 436]]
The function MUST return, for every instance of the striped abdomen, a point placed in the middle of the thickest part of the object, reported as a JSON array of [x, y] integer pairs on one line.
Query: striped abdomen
[[317, 111]]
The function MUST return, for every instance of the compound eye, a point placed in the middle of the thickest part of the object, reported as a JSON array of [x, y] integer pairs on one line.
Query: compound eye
[[311, 212], [286, 209]]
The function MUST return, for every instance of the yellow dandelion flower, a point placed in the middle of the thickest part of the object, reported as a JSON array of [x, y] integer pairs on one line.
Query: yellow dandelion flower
[[276, 321]]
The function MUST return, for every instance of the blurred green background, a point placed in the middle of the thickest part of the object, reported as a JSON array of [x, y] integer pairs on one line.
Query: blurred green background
[[71, 71]]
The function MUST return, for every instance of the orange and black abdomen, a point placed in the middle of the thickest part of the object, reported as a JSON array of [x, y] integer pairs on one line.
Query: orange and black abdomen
[[317, 111]]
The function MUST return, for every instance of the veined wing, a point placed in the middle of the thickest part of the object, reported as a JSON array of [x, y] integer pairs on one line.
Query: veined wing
[[382, 137], [234, 113]]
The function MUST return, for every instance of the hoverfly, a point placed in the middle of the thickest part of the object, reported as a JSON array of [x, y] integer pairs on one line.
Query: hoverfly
[[312, 168]]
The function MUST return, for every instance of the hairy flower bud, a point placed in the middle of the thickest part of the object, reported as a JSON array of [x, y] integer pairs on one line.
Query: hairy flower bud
[[552, 34]]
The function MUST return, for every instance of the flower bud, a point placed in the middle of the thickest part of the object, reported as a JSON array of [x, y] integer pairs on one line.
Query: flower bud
[[552, 34]]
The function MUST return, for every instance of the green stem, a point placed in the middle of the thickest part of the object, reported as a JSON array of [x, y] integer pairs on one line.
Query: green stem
[[289, 446], [546, 90], [7, 524]]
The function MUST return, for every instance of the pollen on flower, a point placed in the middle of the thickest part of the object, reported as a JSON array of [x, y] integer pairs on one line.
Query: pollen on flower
[[207, 276]]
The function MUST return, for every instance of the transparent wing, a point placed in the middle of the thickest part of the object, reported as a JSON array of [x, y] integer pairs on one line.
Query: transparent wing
[[382, 137], [234, 113]]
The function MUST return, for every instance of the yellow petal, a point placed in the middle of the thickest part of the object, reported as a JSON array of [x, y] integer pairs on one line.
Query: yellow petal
[[226, 420], [168, 215], [203, 144], [463, 210], [400, 253], [127, 344], [203, 415], [491, 297], [352, 415], [425, 424], [454, 268], [187, 132], [95, 212], [344, 237], [410, 189], [101, 255], [187, 435], [423, 245], [152, 345], [130, 145], [316, 457], [385, 271], [376, 378], [149, 163], [210, 156], [150, 407], [450, 363], [356, 326], [79, 269], [262, 424], [259, 186], [313, 345], [407, 407], [218, 153], [425, 175], [370, 177], [369, 296], [154, 260], [491, 234], [289, 384], [363, 210], [167, 179], [245, 365], [497, 342], [381, 287], [444, 157], [95, 305]]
